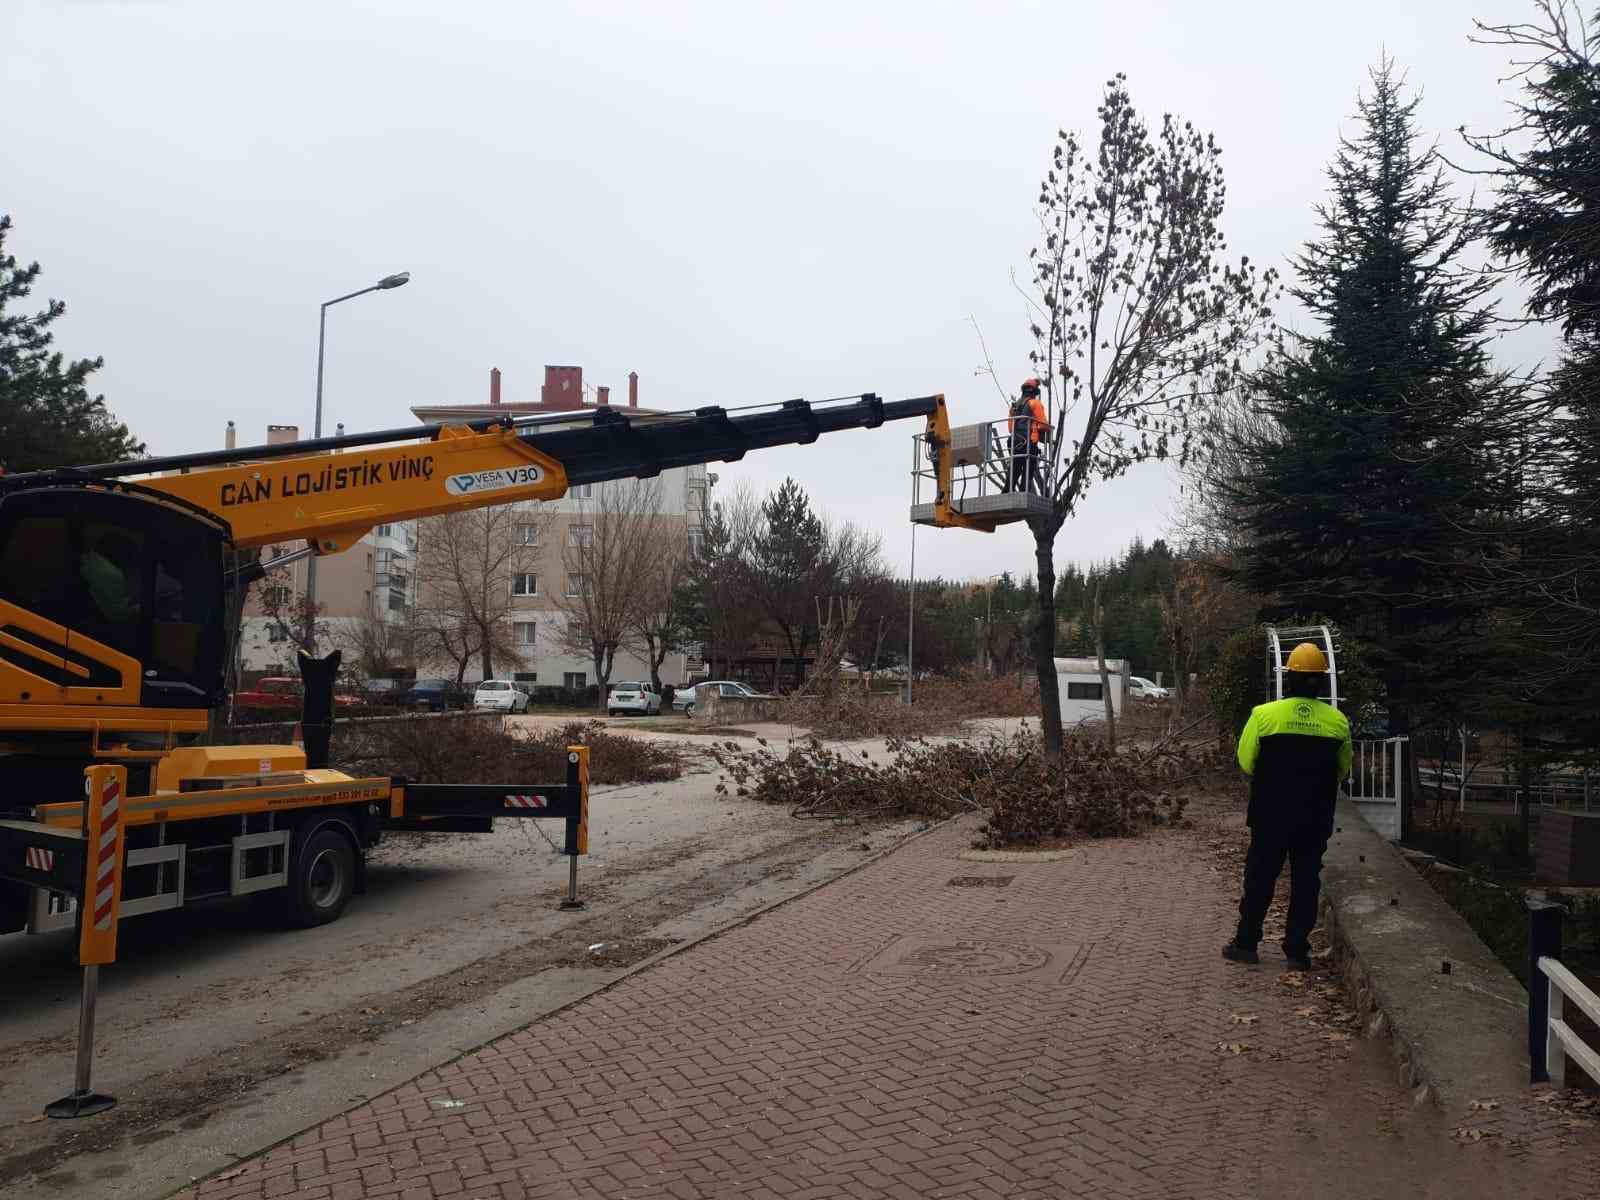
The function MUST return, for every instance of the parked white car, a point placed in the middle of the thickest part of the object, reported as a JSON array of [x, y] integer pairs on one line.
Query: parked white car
[[1141, 688], [633, 696], [501, 695]]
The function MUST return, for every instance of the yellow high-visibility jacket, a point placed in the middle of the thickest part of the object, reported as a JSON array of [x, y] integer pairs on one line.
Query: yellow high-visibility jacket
[[1296, 752]]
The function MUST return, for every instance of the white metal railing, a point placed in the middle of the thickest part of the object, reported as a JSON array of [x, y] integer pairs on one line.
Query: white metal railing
[[1560, 1041], [988, 459], [1377, 783]]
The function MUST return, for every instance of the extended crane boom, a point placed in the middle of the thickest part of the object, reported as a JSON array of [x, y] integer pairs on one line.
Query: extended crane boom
[[331, 492]]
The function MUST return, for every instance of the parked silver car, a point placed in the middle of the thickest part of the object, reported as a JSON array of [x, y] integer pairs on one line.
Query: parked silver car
[[686, 697]]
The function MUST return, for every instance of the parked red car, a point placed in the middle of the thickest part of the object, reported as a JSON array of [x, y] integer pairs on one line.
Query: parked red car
[[283, 692]]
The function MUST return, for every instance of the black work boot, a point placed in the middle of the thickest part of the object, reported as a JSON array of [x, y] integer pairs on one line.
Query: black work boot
[[1299, 958], [1237, 952]]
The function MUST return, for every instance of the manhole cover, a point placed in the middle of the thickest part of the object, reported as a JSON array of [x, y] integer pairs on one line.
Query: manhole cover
[[975, 958], [982, 881], [923, 956]]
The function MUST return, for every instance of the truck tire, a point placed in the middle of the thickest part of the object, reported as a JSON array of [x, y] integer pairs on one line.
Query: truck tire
[[322, 879]]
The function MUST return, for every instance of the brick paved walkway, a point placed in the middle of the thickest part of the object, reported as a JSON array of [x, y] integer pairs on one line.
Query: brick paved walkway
[[1071, 1033]]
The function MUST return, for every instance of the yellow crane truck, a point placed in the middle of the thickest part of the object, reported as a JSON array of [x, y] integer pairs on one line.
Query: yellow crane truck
[[118, 589]]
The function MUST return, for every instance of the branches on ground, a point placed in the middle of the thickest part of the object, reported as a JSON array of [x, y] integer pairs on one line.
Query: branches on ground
[[1093, 792], [478, 750]]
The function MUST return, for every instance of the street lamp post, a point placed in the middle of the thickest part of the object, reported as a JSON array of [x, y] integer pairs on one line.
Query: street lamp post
[[399, 279]]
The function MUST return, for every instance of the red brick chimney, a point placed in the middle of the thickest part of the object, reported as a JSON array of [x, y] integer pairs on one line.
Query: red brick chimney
[[603, 397], [494, 386], [633, 389], [563, 388]]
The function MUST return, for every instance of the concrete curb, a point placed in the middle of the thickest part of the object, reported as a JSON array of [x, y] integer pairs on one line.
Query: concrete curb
[[1456, 1037], [626, 973]]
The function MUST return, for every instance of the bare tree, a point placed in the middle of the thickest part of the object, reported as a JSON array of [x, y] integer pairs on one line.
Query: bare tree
[[291, 615], [467, 563], [375, 648], [1139, 324], [617, 541], [661, 623]]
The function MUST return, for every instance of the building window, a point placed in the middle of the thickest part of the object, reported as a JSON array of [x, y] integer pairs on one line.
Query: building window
[[581, 491], [277, 633], [1084, 691], [526, 677], [577, 585], [696, 540], [275, 595], [383, 530], [524, 583], [525, 631], [527, 535], [574, 680], [397, 602], [580, 534]]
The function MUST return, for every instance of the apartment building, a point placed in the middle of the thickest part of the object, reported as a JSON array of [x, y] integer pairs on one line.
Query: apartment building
[[542, 580], [370, 583]]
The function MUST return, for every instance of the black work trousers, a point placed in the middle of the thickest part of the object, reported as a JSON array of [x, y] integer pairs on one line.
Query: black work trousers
[[1025, 465], [1269, 846]]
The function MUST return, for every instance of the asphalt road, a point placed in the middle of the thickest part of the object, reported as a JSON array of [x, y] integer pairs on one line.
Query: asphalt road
[[221, 1033]]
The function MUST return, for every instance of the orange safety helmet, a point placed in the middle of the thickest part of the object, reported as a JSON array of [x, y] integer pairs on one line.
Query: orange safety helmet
[[1030, 387]]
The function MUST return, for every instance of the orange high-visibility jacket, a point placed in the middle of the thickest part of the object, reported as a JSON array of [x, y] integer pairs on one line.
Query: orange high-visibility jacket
[[1040, 423]]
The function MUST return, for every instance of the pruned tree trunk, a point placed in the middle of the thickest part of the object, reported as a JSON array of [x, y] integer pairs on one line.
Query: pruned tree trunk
[[1044, 638]]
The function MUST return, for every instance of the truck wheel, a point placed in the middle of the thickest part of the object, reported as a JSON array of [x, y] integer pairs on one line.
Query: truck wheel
[[323, 878]]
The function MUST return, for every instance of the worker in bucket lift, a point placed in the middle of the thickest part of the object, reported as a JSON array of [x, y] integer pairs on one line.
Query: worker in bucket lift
[[1297, 753], [1030, 427]]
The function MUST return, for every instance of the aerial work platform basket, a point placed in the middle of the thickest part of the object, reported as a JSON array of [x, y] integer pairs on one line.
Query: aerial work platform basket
[[993, 478]]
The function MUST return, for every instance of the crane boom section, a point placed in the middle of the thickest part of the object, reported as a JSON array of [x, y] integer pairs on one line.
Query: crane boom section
[[332, 499]]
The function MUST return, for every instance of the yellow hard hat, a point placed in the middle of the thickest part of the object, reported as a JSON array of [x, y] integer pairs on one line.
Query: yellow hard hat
[[1307, 657]]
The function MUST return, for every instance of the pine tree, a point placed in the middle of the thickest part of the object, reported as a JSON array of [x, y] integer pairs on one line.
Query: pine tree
[[1545, 225], [1385, 459], [47, 416]]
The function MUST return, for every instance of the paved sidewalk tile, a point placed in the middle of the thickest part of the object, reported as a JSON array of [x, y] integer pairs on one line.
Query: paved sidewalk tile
[[1038, 1030]]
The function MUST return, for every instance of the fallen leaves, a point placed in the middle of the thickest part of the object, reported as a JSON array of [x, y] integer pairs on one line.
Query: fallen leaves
[[1234, 1047], [1483, 1106], [1242, 1019]]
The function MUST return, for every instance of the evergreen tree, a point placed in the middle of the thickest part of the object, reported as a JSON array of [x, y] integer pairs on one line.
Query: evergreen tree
[[1386, 457], [787, 563], [47, 416], [1545, 223]]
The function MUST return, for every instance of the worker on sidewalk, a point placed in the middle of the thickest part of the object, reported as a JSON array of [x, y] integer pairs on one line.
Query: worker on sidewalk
[[1297, 753], [1029, 425]]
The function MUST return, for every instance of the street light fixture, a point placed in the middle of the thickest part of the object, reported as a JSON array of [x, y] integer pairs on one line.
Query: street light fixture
[[388, 282]]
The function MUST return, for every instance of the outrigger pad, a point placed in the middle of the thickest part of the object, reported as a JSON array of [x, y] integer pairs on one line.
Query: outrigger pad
[[79, 1104], [316, 716]]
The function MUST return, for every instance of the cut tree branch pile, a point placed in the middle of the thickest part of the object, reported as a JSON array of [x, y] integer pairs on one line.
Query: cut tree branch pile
[[1093, 792], [469, 751]]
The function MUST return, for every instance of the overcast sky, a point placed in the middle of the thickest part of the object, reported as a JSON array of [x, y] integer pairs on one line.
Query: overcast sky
[[743, 202]]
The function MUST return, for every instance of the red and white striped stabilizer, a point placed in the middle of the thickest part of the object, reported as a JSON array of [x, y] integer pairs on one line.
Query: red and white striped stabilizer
[[39, 860], [105, 855], [527, 802]]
